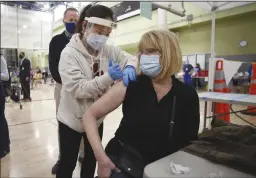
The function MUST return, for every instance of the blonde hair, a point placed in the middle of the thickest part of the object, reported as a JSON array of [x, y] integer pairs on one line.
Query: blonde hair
[[167, 44]]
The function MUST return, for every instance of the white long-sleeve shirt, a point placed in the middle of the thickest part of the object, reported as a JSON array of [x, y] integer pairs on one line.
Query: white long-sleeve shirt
[[79, 87], [4, 70]]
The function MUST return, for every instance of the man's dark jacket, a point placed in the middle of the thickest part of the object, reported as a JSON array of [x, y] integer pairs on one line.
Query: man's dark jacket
[[57, 44], [25, 67]]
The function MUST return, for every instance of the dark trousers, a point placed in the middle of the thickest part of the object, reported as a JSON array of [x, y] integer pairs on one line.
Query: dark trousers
[[197, 83], [25, 85], [69, 148], [4, 131]]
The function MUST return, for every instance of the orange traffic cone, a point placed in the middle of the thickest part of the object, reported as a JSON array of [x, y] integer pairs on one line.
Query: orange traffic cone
[[221, 86], [251, 111]]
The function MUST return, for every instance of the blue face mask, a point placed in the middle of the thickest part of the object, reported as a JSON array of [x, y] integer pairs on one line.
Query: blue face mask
[[70, 27], [149, 65]]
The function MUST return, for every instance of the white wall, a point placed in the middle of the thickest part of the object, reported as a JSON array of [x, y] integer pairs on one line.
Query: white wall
[[24, 28]]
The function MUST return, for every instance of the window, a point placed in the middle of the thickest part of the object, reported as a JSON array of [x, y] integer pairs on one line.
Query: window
[[192, 60], [200, 59], [184, 59], [58, 12]]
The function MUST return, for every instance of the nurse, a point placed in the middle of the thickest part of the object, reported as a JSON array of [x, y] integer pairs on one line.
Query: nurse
[[88, 67]]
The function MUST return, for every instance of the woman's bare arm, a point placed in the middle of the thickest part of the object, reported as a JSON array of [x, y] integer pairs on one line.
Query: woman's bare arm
[[106, 104]]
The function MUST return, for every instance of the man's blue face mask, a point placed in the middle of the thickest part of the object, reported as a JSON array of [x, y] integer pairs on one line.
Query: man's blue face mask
[[70, 27], [149, 65]]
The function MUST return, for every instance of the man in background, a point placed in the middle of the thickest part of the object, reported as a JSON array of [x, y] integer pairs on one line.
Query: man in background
[[24, 75], [57, 44], [188, 70], [4, 131], [250, 72]]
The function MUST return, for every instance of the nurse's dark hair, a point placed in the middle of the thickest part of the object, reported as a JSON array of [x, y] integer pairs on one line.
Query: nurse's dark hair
[[93, 11]]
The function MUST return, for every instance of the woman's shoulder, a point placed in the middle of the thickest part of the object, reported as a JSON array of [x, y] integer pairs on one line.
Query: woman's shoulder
[[135, 87], [141, 80]]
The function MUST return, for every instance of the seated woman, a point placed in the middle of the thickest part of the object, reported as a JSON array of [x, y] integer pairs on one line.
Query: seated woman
[[160, 113], [37, 78]]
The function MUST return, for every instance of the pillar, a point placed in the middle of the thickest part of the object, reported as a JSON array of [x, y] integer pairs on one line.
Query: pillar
[[212, 59], [212, 63], [53, 22], [162, 19]]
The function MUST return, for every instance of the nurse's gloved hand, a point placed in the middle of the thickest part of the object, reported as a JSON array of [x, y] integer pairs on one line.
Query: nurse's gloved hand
[[129, 74], [114, 70]]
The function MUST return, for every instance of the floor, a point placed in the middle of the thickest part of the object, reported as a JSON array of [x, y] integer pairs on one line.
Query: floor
[[33, 133]]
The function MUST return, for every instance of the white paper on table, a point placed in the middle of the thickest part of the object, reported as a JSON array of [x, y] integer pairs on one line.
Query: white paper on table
[[230, 68], [179, 169]]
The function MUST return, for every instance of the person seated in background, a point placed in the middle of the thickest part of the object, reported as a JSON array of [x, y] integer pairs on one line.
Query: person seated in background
[[31, 77], [160, 113], [37, 79]]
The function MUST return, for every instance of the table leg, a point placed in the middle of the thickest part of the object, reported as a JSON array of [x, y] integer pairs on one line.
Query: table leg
[[205, 113]]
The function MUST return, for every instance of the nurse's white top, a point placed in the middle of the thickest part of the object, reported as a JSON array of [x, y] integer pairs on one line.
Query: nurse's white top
[[79, 87]]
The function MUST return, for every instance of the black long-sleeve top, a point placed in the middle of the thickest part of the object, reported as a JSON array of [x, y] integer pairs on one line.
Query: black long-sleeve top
[[57, 44], [25, 67]]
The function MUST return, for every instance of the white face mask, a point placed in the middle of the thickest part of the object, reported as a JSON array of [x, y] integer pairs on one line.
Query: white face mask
[[96, 41]]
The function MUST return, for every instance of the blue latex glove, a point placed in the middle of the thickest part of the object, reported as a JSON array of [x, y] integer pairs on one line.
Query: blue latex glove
[[129, 74], [114, 70]]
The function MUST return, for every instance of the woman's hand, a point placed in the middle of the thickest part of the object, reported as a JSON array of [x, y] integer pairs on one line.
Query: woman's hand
[[106, 167]]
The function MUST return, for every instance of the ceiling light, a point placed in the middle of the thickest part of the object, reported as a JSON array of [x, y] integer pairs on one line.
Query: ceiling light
[[24, 26], [18, 31], [33, 19], [46, 6], [3, 8], [20, 6]]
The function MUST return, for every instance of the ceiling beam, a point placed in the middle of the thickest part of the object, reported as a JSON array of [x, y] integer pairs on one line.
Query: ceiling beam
[[224, 4], [170, 9]]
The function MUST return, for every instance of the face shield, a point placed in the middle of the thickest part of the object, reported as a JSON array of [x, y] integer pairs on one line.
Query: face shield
[[97, 32], [100, 39]]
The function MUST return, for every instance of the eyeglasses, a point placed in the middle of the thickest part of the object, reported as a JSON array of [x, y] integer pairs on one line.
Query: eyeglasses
[[148, 51], [102, 30]]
